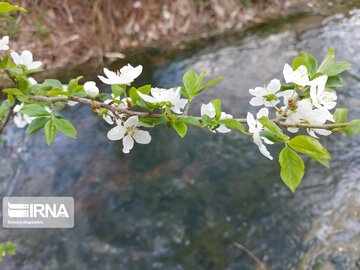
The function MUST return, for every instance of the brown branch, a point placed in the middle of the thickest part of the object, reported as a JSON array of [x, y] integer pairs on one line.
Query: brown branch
[[115, 110], [8, 117], [251, 255]]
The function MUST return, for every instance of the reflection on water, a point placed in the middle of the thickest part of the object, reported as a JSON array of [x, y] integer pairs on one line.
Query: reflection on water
[[180, 203]]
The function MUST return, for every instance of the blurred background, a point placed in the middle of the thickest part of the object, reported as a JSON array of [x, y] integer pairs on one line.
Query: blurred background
[[181, 203]]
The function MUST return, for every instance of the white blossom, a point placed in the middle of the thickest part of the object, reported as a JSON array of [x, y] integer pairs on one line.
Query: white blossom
[[300, 76], [266, 95], [209, 110], [305, 114], [125, 75], [32, 81], [4, 43], [161, 95], [129, 132], [255, 127], [320, 97], [91, 89], [25, 59], [21, 120], [109, 116]]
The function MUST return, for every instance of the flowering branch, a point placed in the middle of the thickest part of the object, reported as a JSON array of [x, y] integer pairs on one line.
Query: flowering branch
[[128, 113], [307, 99]]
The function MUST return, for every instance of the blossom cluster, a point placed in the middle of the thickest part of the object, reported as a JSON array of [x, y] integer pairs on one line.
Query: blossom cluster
[[305, 101]]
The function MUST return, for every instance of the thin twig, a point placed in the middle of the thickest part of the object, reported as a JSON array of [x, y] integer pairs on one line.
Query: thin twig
[[8, 117], [251, 255]]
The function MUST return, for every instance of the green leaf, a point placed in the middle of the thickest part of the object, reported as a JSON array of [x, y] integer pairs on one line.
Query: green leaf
[[233, 124], [180, 128], [270, 125], [34, 110], [191, 120], [36, 124], [353, 128], [73, 85], [271, 136], [334, 81], [143, 89], [65, 127], [10, 248], [6, 7], [312, 147], [189, 80], [328, 61], [336, 68], [340, 115], [14, 92], [292, 168], [217, 105], [208, 84], [117, 90], [312, 62], [199, 81], [153, 121], [208, 121], [50, 131], [57, 92], [52, 83], [300, 61]]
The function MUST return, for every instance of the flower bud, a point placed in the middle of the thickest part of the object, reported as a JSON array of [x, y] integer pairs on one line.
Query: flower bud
[[91, 89]]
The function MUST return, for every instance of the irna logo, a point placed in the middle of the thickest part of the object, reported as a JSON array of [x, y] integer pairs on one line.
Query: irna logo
[[38, 212], [35, 210]]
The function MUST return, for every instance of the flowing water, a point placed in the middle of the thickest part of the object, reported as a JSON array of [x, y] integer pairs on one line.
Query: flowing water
[[181, 203]]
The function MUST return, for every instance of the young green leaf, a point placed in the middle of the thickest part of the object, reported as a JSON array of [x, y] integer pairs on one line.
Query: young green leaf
[[6, 7], [36, 124], [312, 62], [189, 80], [52, 83], [336, 68], [340, 115], [191, 120], [353, 128], [180, 128], [300, 61], [312, 147], [270, 125], [233, 124], [65, 127], [50, 131], [292, 168], [74, 86], [328, 61], [217, 105], [334, 81], [117, 90], [208, 84], [35, 110]]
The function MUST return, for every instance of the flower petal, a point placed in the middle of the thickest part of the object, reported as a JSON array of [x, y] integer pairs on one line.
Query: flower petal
[[257, 101], [128, 144], [274, 86], [26, 57], [16, 58], [258, 92], [141, 136], [116, 133], [132, 121], [147, 98]]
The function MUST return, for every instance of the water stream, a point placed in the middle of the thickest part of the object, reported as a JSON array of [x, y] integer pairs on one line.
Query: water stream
[[181, 203]]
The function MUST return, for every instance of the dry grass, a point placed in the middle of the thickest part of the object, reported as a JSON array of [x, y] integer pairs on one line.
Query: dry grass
[[70, 31]]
